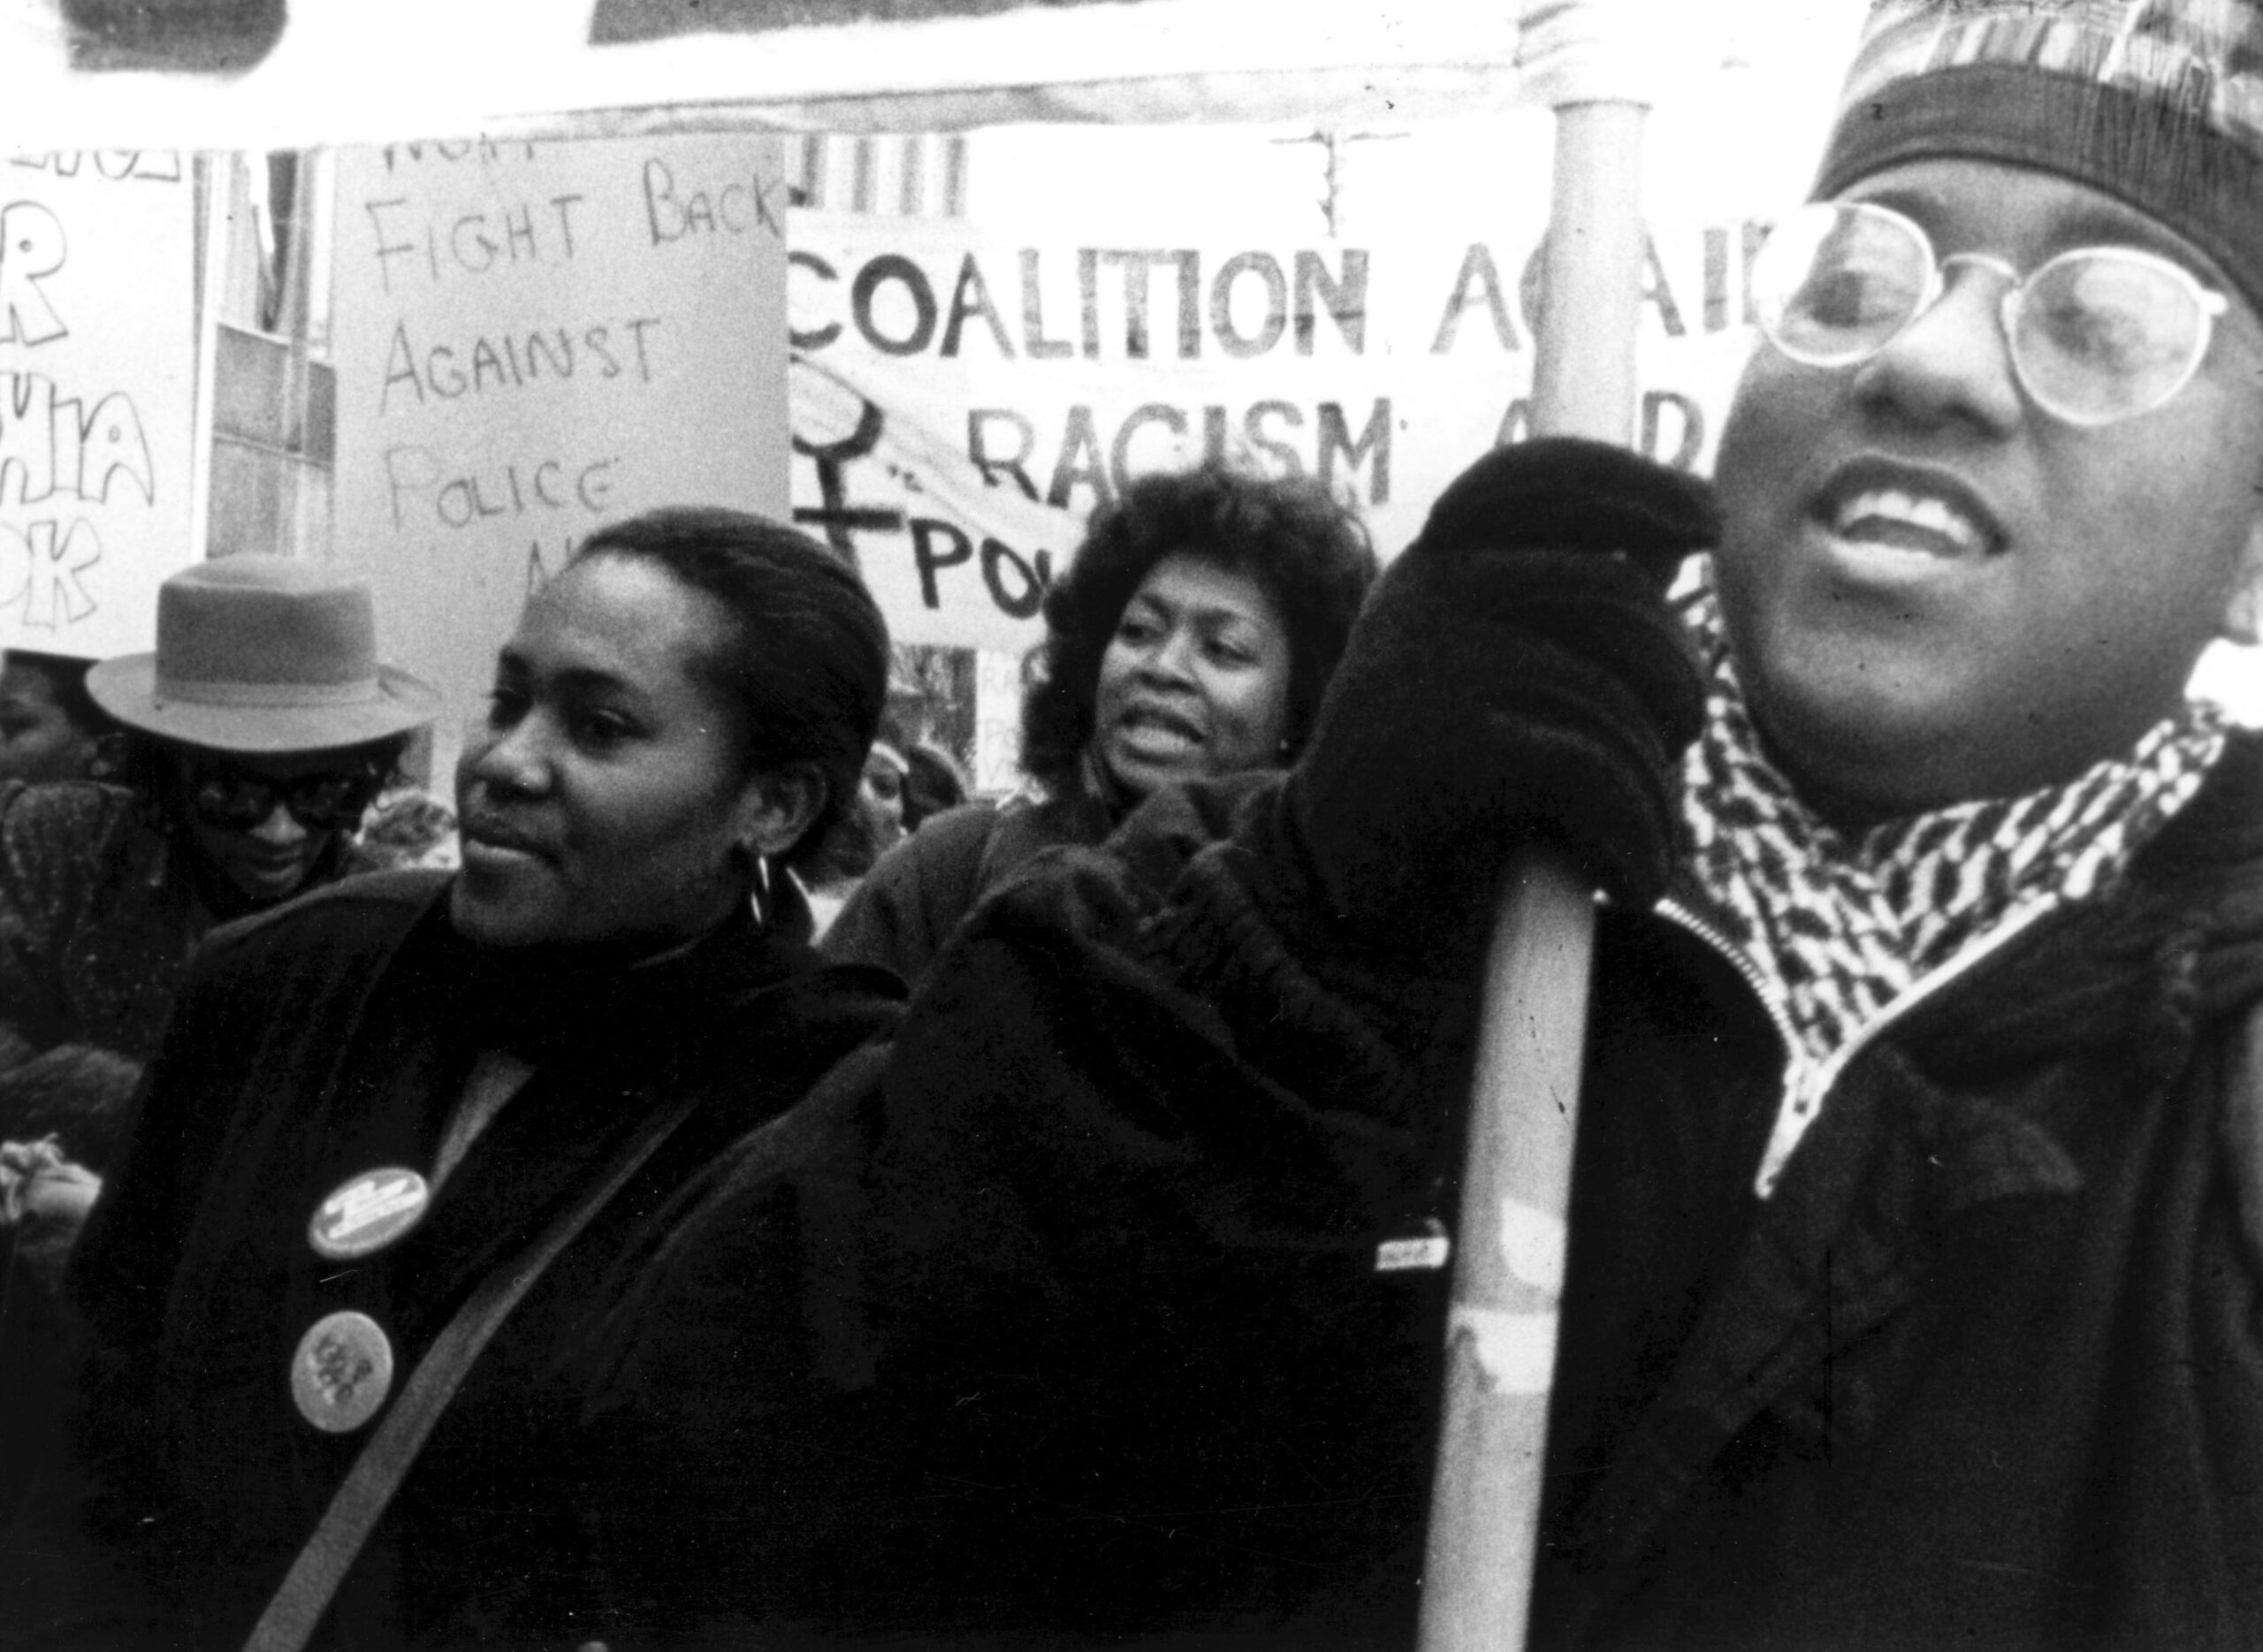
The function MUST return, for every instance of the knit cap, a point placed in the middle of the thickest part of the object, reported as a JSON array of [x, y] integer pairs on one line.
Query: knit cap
[[2156, 103]]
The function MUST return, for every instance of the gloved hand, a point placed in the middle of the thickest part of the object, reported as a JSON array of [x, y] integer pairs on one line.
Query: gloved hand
[[1516, 676]]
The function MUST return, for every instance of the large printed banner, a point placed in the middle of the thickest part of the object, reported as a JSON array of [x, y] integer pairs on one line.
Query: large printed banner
[[97, 395], [961, 402], [533, 338]]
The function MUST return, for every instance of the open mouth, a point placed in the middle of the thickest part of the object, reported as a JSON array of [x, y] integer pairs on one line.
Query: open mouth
[[1901, 512], [1149, 724]]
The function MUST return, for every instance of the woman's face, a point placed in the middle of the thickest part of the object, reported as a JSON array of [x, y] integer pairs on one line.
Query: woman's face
[[1195, 681], [602, 797], [265, 821]]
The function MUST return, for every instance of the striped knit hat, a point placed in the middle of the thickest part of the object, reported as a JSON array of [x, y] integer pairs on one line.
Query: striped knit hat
[[2157, 103]]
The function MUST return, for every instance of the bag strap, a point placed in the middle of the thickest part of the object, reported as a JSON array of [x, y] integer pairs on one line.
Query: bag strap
[[361, 1498]]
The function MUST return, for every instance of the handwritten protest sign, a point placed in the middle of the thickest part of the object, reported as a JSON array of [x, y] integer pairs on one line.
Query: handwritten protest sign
[[532, 339], [961, 402], [97, 395]]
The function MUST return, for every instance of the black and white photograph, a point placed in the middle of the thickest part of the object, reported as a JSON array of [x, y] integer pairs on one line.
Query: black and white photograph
[[1377, 826]]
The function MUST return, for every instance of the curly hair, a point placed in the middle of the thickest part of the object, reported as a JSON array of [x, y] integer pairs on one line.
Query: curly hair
[[1307, 551]]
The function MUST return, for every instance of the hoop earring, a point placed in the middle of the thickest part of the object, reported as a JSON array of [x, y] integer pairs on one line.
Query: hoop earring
[[762, 901]]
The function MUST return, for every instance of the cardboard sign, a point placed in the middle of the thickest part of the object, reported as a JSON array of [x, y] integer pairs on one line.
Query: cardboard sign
[[961, 403], [535, 338], [98, 351]]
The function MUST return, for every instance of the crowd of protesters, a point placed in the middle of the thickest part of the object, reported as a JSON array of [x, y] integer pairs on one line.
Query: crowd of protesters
[[572, 1247]]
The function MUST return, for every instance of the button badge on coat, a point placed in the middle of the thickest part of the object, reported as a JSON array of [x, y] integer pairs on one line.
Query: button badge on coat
[[368, 1213], [342, 1371]]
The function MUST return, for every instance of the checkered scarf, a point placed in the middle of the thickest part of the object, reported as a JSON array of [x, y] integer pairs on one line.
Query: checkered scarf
[[1843, 924]]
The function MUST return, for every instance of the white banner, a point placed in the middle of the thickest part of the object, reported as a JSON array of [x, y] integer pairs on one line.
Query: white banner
[[535, 338], [97, 395], [961, 402]]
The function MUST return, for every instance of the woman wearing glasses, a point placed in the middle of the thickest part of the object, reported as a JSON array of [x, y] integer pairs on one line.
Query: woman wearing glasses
[[261, 728], [258, 734], [1906, 1295]]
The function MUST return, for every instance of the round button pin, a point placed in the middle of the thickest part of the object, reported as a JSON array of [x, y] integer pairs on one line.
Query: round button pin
[[342, 1371], [368, 1213]]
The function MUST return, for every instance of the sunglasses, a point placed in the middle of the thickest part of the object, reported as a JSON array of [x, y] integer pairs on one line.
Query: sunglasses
[[2097, 334], [236, 800]]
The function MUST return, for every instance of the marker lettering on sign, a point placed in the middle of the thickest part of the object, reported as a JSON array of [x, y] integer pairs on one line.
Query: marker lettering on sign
[[444, 247], [44, 565], [1016, 584], [970, 298], [49, 446], [677, 211], [423, 371], [448, 152], [1478, 284], [1252, 304], [116, 166], [1001, 443], [420, 491], [32, 248]]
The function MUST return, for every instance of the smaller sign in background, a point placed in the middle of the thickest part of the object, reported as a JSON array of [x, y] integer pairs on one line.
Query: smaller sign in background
[[98, 415], [533, 338]]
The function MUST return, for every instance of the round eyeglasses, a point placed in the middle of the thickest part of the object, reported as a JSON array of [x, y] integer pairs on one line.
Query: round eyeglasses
[[2097, 334], [238, 800]]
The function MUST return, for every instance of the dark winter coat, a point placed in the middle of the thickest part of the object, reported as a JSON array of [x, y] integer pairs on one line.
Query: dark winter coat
[[1984, 1371], [916, 894], [569, 1493], [99, 912]]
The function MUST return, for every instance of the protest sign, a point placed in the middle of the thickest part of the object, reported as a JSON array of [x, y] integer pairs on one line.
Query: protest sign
[[961, 401], [98, 350], [533, 338]]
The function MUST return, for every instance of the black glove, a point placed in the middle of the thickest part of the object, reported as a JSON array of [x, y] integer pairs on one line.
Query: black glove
[[1516, 676]]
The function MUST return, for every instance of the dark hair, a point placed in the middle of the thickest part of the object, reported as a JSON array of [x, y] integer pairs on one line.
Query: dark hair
[[66, 685], [932, 782], [807, 673], [1307, 551]]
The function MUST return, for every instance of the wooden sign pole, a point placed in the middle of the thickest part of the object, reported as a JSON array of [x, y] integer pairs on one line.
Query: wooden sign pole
[[1485, 1507]]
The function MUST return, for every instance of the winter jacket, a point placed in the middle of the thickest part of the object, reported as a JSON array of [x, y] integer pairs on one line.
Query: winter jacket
[[98, 915], [1982, 1371], [907, 906], [571, 1491]]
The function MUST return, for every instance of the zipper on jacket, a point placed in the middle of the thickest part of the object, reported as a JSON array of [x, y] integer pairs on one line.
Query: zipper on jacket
[[1741, 961], [1815, 1082]]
